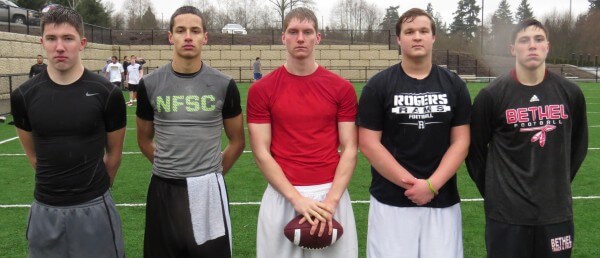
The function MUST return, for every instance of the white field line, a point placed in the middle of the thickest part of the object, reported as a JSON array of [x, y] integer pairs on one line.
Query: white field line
[[8, 140], [124, 153], [138, 153], [258, 203]]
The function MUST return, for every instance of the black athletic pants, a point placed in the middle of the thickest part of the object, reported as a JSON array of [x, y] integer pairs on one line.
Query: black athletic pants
[[520, 241]]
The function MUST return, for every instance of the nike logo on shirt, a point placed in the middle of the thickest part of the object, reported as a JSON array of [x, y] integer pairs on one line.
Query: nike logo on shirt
[[87, 94]]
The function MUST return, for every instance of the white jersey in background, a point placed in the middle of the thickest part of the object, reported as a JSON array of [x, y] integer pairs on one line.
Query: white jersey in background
[[133, 70], [114, 70]]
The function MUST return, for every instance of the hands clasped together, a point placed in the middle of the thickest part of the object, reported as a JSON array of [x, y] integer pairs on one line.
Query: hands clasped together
[[318, 214]]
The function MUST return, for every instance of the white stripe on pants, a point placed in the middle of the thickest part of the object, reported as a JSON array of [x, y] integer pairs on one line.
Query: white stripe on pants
[[275, 212], [414, 232]]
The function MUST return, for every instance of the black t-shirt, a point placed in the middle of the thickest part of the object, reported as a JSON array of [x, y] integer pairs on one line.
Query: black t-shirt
[[527, 144], [37, 69], [125, 64], [415, 118], [69, 124]]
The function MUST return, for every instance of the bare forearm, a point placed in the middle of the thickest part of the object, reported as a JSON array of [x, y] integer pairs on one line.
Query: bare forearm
[[453, 158], [148, 150], [112, 162], [26, 140], [230, 154], [343, 175], [275, 177], [448, 166], [381, 159]]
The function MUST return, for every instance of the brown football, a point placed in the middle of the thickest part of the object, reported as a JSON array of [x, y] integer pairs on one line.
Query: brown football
[[299, 234]]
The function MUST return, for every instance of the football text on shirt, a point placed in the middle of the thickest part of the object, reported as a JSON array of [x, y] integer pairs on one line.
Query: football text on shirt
[[191, 103]]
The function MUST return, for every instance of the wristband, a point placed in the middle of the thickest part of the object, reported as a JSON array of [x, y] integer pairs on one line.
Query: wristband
[[431, 187]]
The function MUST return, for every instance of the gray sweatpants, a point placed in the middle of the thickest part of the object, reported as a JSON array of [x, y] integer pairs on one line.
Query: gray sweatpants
[[91, 229]]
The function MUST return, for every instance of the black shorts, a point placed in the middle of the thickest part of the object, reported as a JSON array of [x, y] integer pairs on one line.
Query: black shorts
[[541, 241], [132, 87], [169, 230], [118, 84]]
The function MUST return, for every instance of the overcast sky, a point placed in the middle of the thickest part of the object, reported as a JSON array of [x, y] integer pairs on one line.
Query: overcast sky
[[444, 7]]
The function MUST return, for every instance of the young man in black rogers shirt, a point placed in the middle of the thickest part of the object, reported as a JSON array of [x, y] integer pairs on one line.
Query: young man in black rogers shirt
[[529, 137], [75, 151], [413, 123]]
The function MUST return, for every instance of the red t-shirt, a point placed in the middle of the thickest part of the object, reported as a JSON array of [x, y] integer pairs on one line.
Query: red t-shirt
[[303, 112]]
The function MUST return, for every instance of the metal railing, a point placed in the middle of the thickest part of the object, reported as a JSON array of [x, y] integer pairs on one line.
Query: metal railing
[[25, 21], [258, 37], [10, 82]]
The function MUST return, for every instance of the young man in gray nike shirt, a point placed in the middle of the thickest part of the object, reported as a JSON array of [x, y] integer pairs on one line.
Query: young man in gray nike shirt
[[182, 108]]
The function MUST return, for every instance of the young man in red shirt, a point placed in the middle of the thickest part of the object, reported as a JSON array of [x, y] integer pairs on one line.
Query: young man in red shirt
[[298, 116]]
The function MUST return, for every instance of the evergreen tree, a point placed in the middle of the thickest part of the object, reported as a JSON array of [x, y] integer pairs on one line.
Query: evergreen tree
[[31, 4], [440, 25], [93, 12], [149, 20], [524, 11], [466, 18], [502, 17], [390, 19]]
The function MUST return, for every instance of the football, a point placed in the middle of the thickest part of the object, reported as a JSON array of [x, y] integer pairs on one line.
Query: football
[[299, 234]]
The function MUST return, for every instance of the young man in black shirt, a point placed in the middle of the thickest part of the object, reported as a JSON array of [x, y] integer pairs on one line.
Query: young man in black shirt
[[528, 139], [75, 151], [413, 123], [38, 67]]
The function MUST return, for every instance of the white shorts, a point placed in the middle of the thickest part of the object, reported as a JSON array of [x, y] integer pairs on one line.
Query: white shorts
[[414, 232], [275, 212]]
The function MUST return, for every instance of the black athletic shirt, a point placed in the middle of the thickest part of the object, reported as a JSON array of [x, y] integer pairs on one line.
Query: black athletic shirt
[[416, 118], [69, 124], [527, 143], [37, 69]]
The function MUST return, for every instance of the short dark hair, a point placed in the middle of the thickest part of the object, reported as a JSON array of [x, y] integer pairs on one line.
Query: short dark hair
[[524, 24], [40, 56], [257, 58], [187, 10], [302, 14], [62, 14], [115, 57], [411, 15]]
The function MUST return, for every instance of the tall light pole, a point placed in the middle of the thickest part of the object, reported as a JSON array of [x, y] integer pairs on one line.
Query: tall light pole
[[481, 37], [570, 6]]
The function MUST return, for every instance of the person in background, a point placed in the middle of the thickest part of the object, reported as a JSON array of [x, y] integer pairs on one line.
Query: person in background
[[134, 74], [38, 67], [257, 68], [125, 63], [114, 72]]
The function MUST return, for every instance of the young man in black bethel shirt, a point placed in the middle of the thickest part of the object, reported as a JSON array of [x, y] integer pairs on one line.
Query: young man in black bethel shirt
[[529, 137], [75, 151]]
